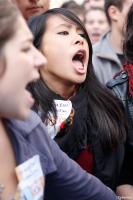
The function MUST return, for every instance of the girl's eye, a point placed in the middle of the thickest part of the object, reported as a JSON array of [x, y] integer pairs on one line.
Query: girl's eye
[[63, 33], [26, 49]]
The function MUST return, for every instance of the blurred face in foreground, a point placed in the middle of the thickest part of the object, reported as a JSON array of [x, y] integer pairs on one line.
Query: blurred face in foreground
[[21, 62]]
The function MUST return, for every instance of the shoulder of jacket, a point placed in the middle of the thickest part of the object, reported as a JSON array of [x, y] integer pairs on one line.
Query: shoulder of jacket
[[120, 78], [26, 126]]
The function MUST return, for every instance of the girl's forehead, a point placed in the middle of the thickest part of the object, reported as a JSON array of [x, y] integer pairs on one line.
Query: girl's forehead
[[60, 20]]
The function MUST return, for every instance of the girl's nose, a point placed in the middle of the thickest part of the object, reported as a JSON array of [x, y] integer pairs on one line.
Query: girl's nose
[[79, 40]]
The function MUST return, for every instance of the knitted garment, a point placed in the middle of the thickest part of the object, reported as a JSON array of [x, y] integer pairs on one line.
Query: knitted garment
[[129, 69]]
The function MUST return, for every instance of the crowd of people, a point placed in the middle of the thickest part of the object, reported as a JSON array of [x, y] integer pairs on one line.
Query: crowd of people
[[66, 114]]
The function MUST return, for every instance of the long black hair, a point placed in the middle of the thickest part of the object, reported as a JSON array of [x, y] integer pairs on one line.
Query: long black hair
[[104, 114]]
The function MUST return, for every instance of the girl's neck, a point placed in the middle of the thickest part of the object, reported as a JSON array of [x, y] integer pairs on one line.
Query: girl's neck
[[64, 90]]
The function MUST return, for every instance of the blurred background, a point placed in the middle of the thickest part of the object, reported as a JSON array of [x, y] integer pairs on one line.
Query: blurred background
[[58, 3]]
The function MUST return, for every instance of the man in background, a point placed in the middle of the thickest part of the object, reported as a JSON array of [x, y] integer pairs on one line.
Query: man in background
[[108, 55], [32, 7], [96, 23]]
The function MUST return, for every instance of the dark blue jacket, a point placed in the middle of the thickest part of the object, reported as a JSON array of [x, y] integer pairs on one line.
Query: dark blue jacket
[[64, 179]]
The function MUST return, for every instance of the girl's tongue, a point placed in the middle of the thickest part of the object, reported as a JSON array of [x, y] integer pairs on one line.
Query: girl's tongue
[[79, 66]]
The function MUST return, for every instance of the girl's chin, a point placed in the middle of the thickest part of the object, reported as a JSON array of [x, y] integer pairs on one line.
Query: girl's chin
[[80, 80]]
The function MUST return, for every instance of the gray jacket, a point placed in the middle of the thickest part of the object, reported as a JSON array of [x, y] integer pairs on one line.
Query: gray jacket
[[105, 60]]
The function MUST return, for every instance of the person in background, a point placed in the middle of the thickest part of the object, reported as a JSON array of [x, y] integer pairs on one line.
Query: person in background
[[122, 87], [108, 56], [31, 164], [96, 23], [79, 113], [32, 7], [77, 9], [93, 3]]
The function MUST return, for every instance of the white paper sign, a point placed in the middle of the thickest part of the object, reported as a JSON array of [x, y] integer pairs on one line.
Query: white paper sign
[[63, 108], [31, 179]]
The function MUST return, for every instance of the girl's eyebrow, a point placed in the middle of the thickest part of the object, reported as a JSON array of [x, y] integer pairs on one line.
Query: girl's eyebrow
[[64, 25], [68, 26]]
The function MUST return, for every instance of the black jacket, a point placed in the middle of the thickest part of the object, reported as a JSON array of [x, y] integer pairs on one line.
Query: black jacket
[[119, 86], [106, 165]]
